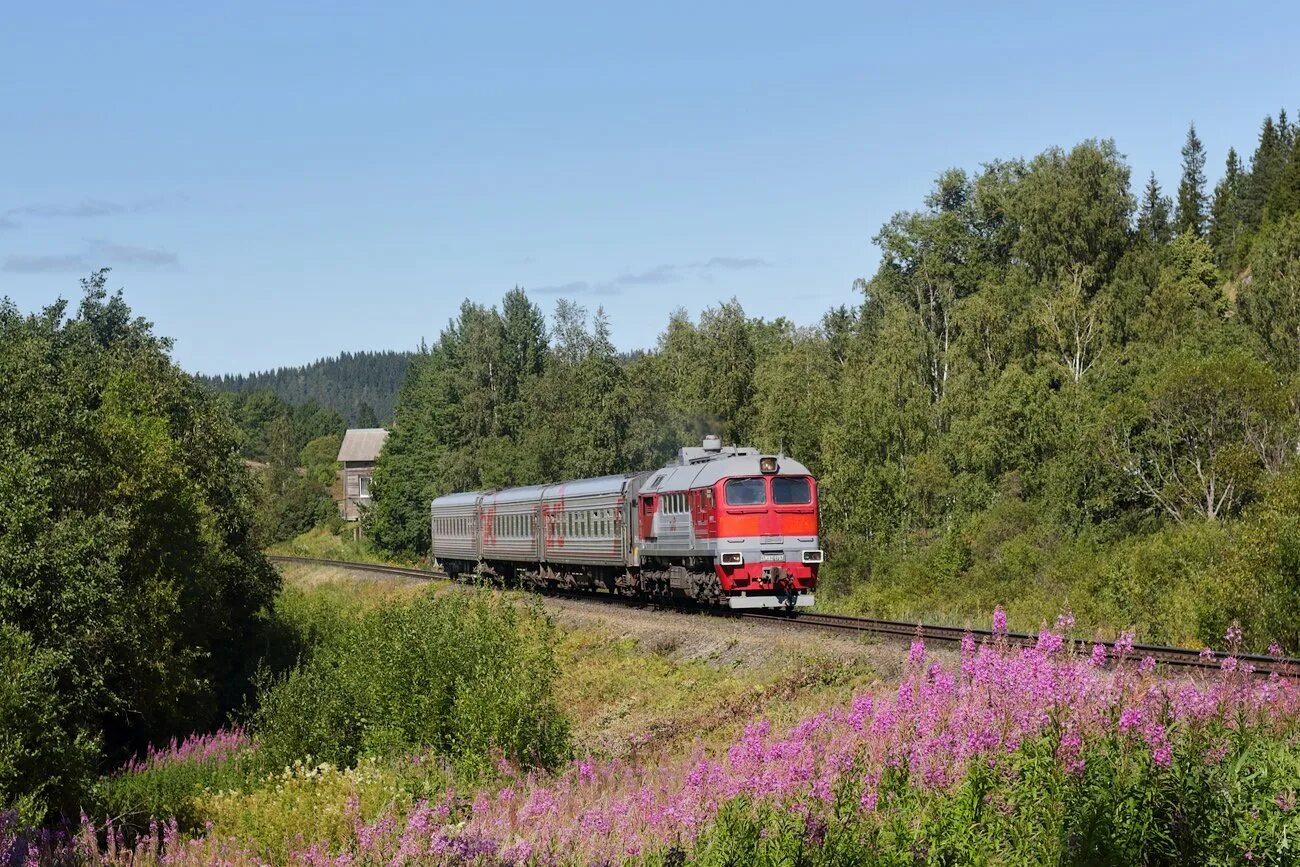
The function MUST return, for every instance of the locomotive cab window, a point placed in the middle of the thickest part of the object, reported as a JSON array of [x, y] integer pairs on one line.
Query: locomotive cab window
[[791, 491], [746, 492]]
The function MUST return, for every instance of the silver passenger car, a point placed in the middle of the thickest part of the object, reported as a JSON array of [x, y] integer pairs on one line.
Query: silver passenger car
[[455, 527]]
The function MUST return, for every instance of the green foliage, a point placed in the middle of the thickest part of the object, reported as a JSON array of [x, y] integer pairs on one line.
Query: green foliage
[[1270, 302], [1190, 218], [463, 675], [45, 758], [319, 459], [358, 388], [1260, 586], [127, 552], [292, 500], [172, 789]]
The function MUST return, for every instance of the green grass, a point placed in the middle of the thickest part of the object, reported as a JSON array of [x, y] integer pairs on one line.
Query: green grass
[[337, 542]]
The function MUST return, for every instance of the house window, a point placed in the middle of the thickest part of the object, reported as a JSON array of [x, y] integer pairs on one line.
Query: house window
[[363, 487]]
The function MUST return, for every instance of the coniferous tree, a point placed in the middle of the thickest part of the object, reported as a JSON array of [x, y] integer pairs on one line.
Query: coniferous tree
[[1153, 215], [1284, 199], [366, 416], [1225, 212], [1265, 167], [1191, 190]]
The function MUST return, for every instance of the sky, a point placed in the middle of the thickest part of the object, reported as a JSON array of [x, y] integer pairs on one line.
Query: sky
[[275, 182]]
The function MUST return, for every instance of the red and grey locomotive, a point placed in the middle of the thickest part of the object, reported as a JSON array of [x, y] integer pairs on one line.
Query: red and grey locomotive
[[727, 526]]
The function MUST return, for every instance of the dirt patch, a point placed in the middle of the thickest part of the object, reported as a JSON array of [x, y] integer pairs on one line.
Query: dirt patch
[[718, 640]]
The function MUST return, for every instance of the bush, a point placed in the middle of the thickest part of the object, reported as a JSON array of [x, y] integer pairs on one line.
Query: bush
[[464, 674], [127, 553], [44, 758]]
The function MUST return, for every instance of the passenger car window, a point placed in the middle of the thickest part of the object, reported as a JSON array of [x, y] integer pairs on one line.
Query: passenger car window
[[746, 492]]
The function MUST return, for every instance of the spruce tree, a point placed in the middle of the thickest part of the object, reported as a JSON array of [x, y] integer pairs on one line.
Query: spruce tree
[[1265, 168], [1225, 212], [1191, 190], [1283, 194], [1153, 216]]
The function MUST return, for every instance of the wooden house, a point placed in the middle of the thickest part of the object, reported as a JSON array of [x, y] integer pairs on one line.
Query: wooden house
[[358, 453]]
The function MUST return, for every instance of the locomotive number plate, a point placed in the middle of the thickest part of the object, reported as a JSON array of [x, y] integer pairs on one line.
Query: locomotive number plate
[[773, 556]]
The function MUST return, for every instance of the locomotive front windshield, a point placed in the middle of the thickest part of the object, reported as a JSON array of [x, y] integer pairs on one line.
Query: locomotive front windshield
[[746, 492], [791, 491]]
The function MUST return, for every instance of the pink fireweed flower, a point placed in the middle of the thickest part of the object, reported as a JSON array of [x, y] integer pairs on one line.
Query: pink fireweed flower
[[1124, 644], [1275, 650], [1069, 752], [1233, 635], [1098, 655], [1206, 654], [917, 652], [999, 620], [1228, 665], [968, 644], [1064, 621], [1147, 665], [1049, 642]]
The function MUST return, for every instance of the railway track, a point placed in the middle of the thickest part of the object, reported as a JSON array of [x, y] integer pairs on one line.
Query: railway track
[[1180, 657]]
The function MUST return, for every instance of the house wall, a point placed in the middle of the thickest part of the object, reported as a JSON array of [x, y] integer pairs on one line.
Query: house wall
[[356, 494]]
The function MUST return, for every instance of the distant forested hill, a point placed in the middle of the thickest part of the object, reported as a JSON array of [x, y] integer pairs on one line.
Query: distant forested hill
[[349, 384]]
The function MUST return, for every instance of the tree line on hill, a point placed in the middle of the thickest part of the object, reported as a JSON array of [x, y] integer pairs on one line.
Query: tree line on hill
[[359, 386], [1052, 391]]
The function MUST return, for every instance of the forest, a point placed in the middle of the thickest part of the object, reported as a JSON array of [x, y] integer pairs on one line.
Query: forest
[[358, 386], [1058, 389]]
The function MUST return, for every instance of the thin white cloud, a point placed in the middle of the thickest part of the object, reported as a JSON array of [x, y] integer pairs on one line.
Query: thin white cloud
[[658, 275], [58, 263], [88, 209], [84, 208], [96, 254]]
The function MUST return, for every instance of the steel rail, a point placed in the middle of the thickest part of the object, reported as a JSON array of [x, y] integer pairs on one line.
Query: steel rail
[[1176, 656]]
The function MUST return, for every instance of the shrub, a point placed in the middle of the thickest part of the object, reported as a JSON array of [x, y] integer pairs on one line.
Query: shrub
[[463, 674], [44, 758], [127, 552]]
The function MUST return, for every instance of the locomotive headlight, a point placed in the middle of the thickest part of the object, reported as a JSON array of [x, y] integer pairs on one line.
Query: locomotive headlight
[[813, 556], [767, 464], [731, 558]]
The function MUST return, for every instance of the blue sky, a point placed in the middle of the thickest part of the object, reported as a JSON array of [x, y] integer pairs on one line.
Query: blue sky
[[276, 182]]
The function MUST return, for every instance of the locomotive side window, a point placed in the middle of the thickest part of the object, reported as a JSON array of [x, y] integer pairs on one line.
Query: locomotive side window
[[791, 492], [746, 492]]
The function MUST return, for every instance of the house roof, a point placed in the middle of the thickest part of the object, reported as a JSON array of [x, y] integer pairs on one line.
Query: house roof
[[362, 444]]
